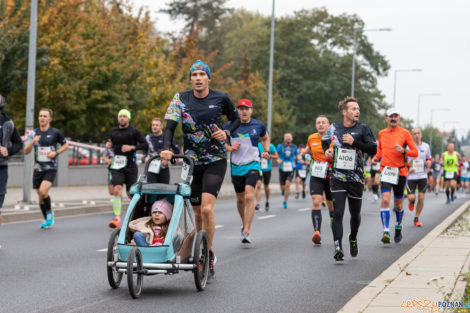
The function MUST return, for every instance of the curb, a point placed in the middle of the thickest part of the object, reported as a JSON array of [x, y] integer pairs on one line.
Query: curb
[[27, 216], [360, 301]]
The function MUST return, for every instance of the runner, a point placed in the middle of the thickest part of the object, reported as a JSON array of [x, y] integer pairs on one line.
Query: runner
[[287, 155], [417, 175], [10, 143], [375, 177], [436, 170], [392, 149], [265, 176], [245, 160], [346, 143], [319, 176], [451, 160], [45, 140], [300, 172], [125, 140], [200, 110], [465, 178], [155, 145], [107, 157]]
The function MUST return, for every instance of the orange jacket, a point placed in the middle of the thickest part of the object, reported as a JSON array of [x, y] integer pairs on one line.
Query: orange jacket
[[386, 148]]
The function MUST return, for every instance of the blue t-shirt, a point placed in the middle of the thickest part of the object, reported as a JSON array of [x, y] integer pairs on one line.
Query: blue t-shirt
[[246, 158], [287, 153], [272, 150]]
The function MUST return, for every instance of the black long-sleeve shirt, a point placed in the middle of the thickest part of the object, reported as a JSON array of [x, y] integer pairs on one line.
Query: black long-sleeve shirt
[[128, 136]]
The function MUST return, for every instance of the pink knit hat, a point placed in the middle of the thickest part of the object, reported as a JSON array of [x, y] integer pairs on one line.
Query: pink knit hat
[[163, 206]]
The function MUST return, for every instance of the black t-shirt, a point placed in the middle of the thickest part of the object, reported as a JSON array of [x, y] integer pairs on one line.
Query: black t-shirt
[[199, 117], [155, 144], [48, 142], [127, 136]]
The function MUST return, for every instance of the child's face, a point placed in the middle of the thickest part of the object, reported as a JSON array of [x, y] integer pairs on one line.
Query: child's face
[[158, 218]]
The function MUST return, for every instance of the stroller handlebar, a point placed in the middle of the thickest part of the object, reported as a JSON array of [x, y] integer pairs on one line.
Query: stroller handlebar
[[186, 161]]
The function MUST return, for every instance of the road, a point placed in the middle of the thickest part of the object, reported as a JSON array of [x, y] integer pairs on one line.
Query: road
[[63, 269]]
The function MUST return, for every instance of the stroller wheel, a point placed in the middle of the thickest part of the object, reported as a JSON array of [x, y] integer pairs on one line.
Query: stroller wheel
[[201, 260], [114, 277], [135, 274]]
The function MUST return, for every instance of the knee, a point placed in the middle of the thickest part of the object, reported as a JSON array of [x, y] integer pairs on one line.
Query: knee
[[206, 211], [42, 193], [317, 201]]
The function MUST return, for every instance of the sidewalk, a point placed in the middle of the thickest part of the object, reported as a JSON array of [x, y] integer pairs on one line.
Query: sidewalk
[[76, 200], [431, 272]]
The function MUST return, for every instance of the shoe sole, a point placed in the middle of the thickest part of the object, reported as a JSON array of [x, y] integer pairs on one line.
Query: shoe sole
[[316, 239]]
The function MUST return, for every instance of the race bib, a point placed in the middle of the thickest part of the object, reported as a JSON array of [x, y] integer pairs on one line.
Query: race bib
[[376, 167], [345, 159], [302, 173], [185, 172], [367, 168], [287, 167], [155, 166], [42, 154], [319, 169], [119, 161], [389, 175], [449, 175], [264, 163], [418, 166]]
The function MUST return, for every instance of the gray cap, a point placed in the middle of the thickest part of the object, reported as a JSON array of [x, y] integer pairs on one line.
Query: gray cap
[[392, 111]]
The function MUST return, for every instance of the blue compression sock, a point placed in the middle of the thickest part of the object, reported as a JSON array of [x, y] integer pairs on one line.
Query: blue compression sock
[[399, 215], [385, 217]]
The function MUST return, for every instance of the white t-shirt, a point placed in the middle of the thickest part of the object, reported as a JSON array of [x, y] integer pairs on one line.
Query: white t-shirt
[[419, 163]]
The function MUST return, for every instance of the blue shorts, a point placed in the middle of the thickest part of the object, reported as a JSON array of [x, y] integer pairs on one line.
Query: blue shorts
[[464, 179]]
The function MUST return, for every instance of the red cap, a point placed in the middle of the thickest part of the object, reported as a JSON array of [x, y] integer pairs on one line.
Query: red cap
[[244, 103]]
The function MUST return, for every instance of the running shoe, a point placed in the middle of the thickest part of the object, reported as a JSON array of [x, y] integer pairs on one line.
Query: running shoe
[[49, 219], [316, 237], [353, 249], [417, 223], [44, 225], [375, 198], [303, 194], [297, 195], [116, 223], [257, 207], [452, 198], [339, 255], [411, 206], [212, 261], [246, 237], [323, 203], [386, 237], [266, 206], [284, 204], [398, 236]]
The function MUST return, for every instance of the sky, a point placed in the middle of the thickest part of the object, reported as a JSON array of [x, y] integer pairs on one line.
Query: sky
[[431, 35]]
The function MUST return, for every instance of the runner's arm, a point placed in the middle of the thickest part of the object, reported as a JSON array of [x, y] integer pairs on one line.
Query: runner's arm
[[17, 144], [368, 143], [413, 151], [141, 142], [266, 142], [168, 134]]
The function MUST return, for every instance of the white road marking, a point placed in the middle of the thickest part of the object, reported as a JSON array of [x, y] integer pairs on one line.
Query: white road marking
[[266, 217], [219, 226], [304, 209], [102, 250]]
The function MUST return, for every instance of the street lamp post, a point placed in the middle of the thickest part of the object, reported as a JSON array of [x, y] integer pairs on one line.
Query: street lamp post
[[395, 80], [419, 103], [29, 123], [356, 30], [432, 114], [271, 64]]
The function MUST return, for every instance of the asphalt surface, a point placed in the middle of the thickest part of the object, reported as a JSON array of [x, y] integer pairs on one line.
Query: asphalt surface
[[63, 269]]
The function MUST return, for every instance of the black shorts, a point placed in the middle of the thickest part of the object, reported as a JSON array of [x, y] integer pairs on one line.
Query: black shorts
[[353, 189], [373, 173], [420, 183], [163, 177], [265, 177], [398, 189], [125, 176], [447, 179], [207, 178], [302, 178], [249, 179], [38, 177], [284, 176], [320, 185]]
